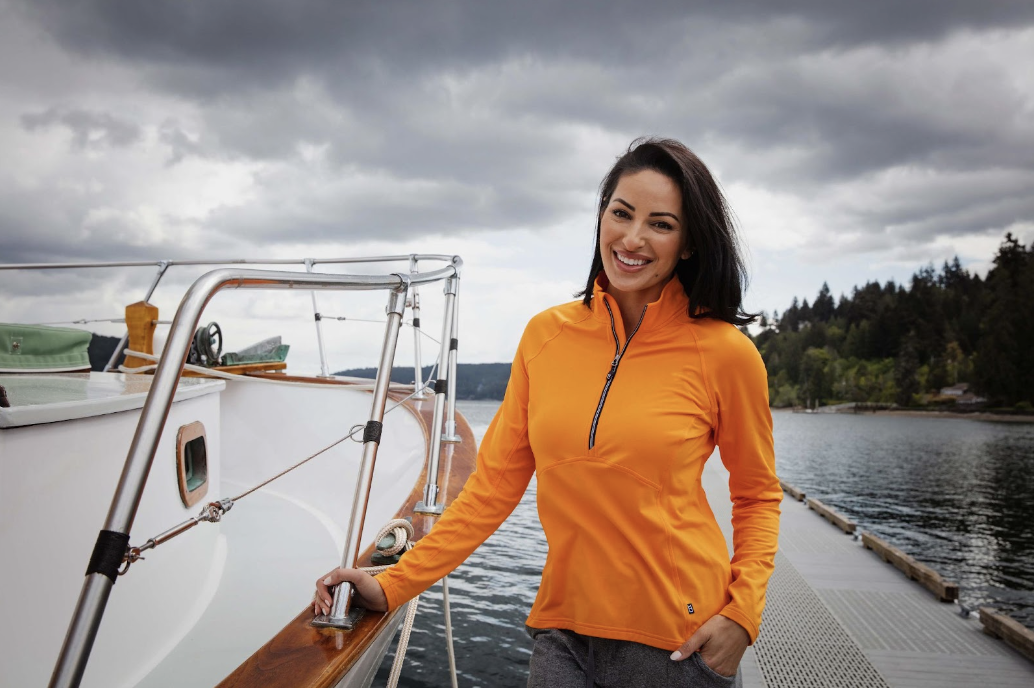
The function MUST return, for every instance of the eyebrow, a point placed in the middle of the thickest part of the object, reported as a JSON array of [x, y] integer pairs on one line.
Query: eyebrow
[[657, 214]]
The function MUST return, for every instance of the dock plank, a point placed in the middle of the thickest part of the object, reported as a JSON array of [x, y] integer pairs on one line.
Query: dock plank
[[906, 637]]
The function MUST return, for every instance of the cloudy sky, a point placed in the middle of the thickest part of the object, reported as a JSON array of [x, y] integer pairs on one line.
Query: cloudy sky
[[855, 140]]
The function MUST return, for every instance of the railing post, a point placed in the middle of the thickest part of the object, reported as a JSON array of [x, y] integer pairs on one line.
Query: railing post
[[342, 614], [418, 370], [324, 369], [110, 548], [430, 504], [451, 435]]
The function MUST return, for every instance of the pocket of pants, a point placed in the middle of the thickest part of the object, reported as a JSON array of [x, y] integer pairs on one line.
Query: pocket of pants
[[711, 673]]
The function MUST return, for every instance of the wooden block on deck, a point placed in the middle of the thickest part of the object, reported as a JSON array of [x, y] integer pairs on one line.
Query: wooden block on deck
[[921, 573], [832, 516], [1011, 631], [792, 491]]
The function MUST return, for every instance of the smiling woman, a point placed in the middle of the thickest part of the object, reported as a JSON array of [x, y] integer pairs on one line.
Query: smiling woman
[[638, 576]]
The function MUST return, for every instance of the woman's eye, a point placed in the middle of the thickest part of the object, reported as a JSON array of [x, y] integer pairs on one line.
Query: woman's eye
[[662, 225], [619, 212]]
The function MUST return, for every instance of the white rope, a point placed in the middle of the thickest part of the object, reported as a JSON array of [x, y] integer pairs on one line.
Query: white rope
[[403, 532], [448, 631]]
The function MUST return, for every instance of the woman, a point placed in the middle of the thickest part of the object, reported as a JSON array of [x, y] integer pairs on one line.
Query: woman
[[616, 402]]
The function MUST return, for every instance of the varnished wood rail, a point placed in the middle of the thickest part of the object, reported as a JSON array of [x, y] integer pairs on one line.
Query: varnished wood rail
[[1011, 631], [832, 516], [300, 656], [921, 573], [792, 491]]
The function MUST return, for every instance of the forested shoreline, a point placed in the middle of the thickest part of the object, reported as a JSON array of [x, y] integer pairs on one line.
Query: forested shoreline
[[892, 344]]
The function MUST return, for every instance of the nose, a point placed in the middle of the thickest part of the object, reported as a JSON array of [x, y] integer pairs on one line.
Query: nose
[[635, 236]]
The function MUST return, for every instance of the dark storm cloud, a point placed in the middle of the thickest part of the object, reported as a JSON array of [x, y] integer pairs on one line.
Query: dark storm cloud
[[271, 38], [466, 115], [89, 129]]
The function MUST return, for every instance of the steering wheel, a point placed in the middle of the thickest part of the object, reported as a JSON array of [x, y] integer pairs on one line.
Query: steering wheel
[[209, 343]]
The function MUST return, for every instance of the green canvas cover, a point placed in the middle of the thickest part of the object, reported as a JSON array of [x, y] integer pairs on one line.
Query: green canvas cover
[[39, 348]]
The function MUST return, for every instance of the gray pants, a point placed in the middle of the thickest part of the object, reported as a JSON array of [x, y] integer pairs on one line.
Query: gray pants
[[565, 659]]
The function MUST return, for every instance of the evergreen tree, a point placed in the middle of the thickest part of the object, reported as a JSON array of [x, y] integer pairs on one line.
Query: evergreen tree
[[905, 371], [823, 309]]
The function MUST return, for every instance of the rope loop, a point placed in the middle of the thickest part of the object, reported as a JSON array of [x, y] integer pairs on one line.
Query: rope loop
[[403, 532]]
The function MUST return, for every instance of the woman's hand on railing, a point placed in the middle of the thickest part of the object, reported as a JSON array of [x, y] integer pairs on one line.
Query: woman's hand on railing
[[369, 593]]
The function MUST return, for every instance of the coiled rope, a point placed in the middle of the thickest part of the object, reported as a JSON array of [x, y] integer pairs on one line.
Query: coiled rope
[[403, 532]]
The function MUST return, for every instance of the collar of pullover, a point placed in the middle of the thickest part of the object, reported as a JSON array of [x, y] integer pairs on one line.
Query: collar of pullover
[[673, 303]]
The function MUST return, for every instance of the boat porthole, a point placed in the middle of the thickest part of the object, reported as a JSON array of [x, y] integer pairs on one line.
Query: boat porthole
[[192, 463]]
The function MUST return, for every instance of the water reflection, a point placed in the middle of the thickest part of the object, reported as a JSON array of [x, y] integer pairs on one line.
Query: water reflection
[[956, 494]]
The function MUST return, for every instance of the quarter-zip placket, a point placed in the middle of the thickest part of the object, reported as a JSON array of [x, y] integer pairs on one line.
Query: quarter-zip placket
[[619, 351]]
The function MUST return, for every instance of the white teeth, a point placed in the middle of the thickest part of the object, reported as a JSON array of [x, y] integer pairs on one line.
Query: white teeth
[[630, 261]]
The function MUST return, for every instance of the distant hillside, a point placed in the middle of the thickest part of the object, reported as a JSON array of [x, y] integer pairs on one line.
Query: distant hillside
[[473, 380]]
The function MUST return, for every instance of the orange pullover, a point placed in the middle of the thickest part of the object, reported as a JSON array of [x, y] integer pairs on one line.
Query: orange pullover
[[618, 426]]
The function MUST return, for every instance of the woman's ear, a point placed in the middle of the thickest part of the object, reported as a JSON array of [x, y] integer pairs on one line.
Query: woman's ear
[[687, 254]]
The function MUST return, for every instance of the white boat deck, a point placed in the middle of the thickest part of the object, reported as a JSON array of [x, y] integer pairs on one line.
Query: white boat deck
[[838, 616]]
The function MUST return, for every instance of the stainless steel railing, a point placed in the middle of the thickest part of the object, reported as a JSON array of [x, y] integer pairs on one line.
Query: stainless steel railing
[[82, 630], [414, 260]]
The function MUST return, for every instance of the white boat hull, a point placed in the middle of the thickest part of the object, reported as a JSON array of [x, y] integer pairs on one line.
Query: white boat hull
[[202, 603]]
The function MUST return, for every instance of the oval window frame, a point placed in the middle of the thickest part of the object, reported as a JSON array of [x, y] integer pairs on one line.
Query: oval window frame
[[188, 464]]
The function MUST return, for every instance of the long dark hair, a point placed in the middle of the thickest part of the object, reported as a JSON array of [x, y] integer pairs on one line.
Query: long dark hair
[[714, 277]]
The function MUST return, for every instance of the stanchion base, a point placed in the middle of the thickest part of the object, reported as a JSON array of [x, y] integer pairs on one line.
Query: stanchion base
[[345, 623], [422, 508], [452, 439]]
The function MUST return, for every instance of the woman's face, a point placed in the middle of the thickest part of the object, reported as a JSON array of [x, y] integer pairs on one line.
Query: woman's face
[[641, 235]]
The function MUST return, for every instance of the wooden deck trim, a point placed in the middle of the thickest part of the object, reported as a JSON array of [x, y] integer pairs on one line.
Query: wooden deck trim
[[832, 516], [301, 656], [1010, 631], [243, 369], [944, 590], [792, 491]]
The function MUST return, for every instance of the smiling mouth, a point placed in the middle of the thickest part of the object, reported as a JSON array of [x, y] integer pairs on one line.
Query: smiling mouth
[[630, 262]]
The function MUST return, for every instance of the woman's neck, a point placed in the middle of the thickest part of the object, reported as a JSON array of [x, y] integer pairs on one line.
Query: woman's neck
[[631, 307]]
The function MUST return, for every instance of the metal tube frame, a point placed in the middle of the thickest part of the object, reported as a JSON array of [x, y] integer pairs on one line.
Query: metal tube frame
[[164, 265], [324, 367], [430, 503], [82, 630], [451, 436], [342, 614], [418, 370]]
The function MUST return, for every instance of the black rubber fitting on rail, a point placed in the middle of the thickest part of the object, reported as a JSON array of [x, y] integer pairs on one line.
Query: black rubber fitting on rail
[[108, 553], [416, 322], [318, 317], [454, 344], [441, 386], [372, 432]]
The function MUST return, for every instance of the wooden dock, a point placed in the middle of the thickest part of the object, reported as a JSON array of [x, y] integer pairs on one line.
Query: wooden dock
[[839, 616]]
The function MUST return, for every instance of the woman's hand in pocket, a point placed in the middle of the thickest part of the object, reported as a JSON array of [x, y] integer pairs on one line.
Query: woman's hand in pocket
[[721, 643]]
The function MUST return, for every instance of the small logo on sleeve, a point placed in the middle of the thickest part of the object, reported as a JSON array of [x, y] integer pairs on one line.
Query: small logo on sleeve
[[689, 608]]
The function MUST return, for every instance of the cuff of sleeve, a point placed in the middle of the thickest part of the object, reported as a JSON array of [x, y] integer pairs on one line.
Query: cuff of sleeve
[[389, 591], [733, 613]]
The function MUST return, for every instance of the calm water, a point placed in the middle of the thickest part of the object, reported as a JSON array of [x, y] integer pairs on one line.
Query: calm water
[[956, 494]]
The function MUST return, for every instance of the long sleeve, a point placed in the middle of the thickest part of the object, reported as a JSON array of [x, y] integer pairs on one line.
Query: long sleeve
[[744, 439], [504, 467]]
